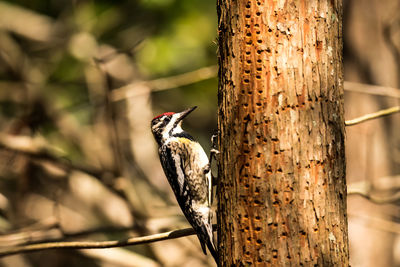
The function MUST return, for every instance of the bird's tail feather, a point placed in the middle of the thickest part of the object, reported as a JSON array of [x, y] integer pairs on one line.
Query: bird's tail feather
[[206, 238]]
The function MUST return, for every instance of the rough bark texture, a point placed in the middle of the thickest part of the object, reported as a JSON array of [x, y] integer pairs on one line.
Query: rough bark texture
[[282, 189]]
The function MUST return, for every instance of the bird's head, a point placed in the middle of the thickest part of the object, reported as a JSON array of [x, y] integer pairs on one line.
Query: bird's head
[[168, 124]]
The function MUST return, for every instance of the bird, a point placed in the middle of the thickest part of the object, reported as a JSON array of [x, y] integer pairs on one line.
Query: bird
[[188, 172]]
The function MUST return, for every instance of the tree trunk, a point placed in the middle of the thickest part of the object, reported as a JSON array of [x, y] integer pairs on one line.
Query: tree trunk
[[282, 188]]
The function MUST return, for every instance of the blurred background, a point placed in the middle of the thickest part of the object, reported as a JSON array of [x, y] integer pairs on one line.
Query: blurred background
[[80, 82]]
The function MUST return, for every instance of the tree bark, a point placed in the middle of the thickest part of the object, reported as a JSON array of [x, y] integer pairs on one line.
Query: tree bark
[[282, 188]]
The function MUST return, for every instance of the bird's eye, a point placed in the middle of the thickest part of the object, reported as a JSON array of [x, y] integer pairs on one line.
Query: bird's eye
[[167, 119]]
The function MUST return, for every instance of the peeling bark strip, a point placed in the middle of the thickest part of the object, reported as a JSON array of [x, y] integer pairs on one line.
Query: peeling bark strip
[[282, 189]]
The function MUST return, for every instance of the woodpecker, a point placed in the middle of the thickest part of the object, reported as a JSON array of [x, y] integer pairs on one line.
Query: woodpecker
[[187, 169]]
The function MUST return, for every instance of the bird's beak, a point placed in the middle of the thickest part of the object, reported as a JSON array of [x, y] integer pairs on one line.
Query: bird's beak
[[184, 113]]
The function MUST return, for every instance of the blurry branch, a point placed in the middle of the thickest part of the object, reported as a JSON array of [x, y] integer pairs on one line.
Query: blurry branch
[[25, 22], [390, 30], [378, 223], [387, 184], [41, 151], [100, 244], [372, 89], [161, 84], [110, 121], [375, 115], [51, 231], [365, 193]]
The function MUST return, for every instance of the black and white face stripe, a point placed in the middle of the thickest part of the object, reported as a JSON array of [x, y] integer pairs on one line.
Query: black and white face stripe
[[168, 124], [159, 125]]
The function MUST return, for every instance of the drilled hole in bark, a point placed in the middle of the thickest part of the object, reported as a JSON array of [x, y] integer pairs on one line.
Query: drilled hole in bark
[[268, 50], [256, 25], [242, 91], [247, 25], [257, 229], [248, 52], [259, 69], [257, 190], [247, 185], [258, 77], [259, 41], [247, 164], [258, 32], [276, 152], [259, 51], [258, 155], [279, 169], [259, 61], [259, 260], [246, 216], [246, 81], [247, 71], [274, 253], [248, 6], [245, 105], [258, 104], [257, 218], [246, 151], [249, 239], [247, 16], [269, 30], [257, 202], [249, 42], [248, 61], [250, 93], [247, 228], [260, 91], [284, 234], [275, 224], [248, 34]]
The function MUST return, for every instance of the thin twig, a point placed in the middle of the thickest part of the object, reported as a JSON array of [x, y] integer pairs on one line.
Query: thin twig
[[375, 115], [100, 244]]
